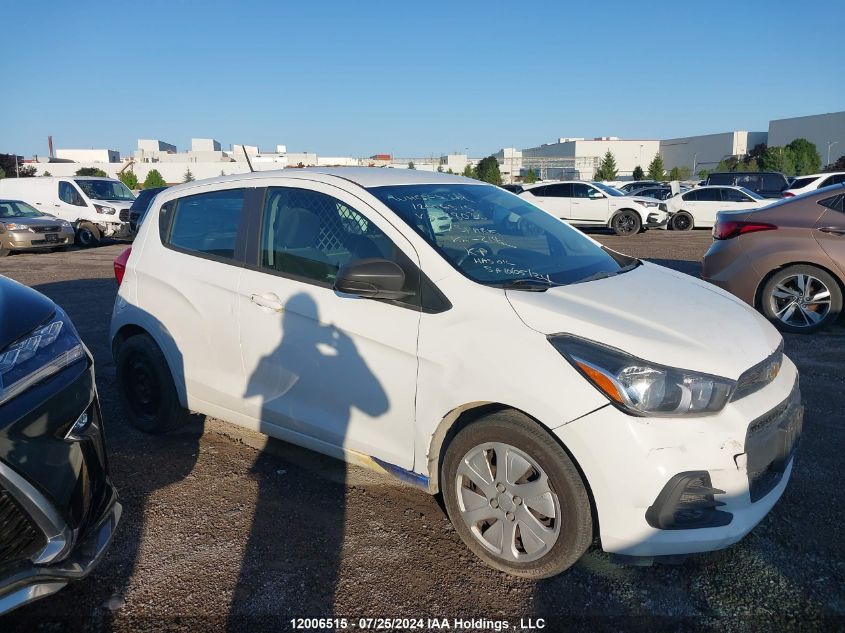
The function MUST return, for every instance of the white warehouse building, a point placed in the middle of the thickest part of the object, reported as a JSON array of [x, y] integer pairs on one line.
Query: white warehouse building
[[89, 155], [579, 157], [827, 131], [706, 151]]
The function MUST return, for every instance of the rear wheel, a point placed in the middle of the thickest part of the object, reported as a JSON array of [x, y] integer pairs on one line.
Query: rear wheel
[[514, 496], [5, 252], [681, 221], [626, 223], [87, 234], [801, 299], [147, 386]]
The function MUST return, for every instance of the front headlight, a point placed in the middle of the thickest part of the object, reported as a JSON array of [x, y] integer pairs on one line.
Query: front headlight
[[11, 226], [43, 352], [650, 204], [643, 388], [99, 208]]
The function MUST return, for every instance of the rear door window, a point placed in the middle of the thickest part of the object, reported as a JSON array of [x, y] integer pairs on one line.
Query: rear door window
[[691, 196], [207, 223], [771, 182], [562, 190], [800, 183], [69, 194], [733, 195], [835, 203], [710, 195]]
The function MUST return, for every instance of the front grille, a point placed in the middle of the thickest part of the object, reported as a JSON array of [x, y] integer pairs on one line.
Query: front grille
[[19, 538], [124, 215], [46, 229], [764, 372]]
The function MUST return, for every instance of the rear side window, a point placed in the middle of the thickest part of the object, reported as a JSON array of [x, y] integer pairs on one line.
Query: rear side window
[[835, 203], [709, 195], [733, 195], [772, 182], [310, 235], [537, 191], [720, 179], [563, 190], [800, 183], [832, 180], [753, 182], [206, 223], [691, 196]]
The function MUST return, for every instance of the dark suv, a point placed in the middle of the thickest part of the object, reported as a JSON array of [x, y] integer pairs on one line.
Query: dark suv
[[769, 184], [58, 508], [139, 208]]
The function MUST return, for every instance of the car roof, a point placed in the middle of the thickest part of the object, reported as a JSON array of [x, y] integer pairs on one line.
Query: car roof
[[822, 175], [363, 176]]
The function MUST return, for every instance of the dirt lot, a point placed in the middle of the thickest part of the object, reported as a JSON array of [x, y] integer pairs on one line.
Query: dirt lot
[[219, 535]]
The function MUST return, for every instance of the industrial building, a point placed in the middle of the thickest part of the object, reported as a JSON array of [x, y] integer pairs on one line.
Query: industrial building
[[827, 131], [706, 151], [89, 155], [578, 158]]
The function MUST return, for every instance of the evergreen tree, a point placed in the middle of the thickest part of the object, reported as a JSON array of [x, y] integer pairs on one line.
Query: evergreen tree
[[638, 173], [607, 169], [411, 165], [530, 177], [469, 171], [656, 168], [189, 177]]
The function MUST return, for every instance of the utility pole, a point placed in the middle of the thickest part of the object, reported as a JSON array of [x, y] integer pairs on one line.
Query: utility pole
[[829, 145], [694, 157]]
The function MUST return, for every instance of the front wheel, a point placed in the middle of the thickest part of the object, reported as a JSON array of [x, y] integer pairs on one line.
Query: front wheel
[[626, 223], [681, 221], [87, 234], [801, 299], [515, 497]]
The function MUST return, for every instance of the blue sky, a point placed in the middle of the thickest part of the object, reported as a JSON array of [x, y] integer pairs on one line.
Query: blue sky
[[356, 78]]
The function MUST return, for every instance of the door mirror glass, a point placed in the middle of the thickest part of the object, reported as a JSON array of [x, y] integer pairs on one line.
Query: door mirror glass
[[372, 278], [595, 195]]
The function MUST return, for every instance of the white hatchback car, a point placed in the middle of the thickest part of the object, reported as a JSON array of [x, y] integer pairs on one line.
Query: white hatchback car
[[697, 208], [528, 374], [803, 184], [595, 204]]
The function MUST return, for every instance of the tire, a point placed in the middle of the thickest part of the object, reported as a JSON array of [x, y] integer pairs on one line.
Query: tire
[[5, 252], [681, 221], [147, 388], [626, 223], [87, 234], [566, 536], [791, 310]]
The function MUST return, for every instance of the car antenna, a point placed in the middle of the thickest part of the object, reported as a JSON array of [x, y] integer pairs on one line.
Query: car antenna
[[248, 162]]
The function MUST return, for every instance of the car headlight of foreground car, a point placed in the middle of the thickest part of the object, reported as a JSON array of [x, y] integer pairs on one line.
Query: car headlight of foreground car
[[40, 354], [643, 388]]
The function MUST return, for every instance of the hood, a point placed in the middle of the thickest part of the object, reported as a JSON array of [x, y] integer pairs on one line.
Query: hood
[[658, 315], [47, 220], [22, 309]]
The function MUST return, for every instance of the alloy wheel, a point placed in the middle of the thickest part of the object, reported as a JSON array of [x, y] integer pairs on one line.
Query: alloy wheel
[[800, 300], [506, 501]]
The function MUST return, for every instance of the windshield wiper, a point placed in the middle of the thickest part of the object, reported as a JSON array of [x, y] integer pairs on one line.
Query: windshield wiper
[[529, 284], [604, 274]]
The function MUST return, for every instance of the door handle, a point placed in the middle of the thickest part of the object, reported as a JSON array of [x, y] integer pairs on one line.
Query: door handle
[[268, 300], [832, 229]]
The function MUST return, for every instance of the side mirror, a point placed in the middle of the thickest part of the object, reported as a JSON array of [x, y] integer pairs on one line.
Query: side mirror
[[371, 278], [596, 195]]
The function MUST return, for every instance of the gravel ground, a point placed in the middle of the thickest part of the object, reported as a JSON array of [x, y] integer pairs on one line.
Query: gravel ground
[[223, 529]]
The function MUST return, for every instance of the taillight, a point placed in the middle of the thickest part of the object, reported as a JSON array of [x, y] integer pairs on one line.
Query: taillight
[[726, 229], [788, 194], [120, 265]]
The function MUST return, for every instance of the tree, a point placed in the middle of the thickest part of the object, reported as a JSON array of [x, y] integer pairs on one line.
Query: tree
[[638, 173], [679, 173], [778, 159], [703, 173], [2, 173], [805, 157], [91, 171], [189, 177], [411, 165], [129, 179], [26, 171], [154, 179], [656, 168], [488, 170], [839, 165], [607, 169], [47, 174], [530, 177], [470, 172], [440, 168], [449, 171]]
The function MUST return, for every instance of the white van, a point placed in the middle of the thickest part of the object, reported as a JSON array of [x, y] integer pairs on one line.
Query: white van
[[522, 369], [93, 206]]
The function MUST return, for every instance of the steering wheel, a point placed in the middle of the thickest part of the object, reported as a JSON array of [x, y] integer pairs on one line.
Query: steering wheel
[[475, 251]]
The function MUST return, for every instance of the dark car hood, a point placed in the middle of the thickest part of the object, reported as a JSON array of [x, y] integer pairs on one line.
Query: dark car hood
[[22, 309]]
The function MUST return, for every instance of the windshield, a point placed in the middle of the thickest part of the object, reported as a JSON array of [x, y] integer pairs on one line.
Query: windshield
[[105, 190], [753, 194], [18, 209], [608, 189], [499, 239]]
